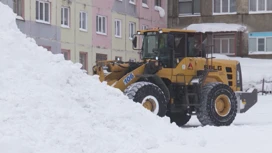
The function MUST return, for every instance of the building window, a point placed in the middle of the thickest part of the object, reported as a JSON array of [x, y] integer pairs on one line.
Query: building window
[[224, 6], [66, 53], [132, 1], [101, 57], [18, 7], [132, 29], [43, 11], [132, 60], [65, 16], [101, 24], [83, 59], [144, 27], [260, 44], [83, 21], [117, 27], [260, 5], [189, 7], [224, 44], [158, 3], [118, 58]]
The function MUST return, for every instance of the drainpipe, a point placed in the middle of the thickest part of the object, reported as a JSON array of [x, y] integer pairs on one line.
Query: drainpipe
[[125, 33], [75, 51], [56, 28]]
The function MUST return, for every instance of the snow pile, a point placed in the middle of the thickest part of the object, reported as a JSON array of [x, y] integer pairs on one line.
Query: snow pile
[[161, 11], [216, 27], [49, 105]]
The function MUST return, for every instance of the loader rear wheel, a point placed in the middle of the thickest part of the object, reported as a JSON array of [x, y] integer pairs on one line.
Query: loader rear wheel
[[218, 105], [149, 95]]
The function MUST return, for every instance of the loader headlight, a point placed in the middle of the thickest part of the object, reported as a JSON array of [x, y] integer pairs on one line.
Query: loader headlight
[[156, 63], [105, 67]]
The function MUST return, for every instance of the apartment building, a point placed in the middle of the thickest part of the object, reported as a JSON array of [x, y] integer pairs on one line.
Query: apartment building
[[255, 15], [86, 31], [59, 26], [32, 21], [75, 24], [125, 23]]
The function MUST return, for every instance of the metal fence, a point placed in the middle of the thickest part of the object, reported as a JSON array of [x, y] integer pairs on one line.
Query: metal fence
[[263, 90]]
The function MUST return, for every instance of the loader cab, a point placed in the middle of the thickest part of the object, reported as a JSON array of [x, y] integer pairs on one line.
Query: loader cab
[[169, 47]]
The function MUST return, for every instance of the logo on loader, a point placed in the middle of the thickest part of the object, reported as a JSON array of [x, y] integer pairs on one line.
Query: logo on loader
[[190, 66], [128, 78]]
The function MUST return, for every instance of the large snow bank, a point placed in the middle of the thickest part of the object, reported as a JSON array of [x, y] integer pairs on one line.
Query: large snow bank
[[216, 27], [49, 105]]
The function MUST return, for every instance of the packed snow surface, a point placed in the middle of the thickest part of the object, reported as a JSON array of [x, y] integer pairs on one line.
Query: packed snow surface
[[48, 105], [216, 27]]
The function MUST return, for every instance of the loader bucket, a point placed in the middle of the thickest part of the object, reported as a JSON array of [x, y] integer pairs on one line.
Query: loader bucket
[[245, 100]]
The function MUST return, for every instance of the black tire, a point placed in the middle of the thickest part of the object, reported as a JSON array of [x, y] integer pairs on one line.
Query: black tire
[[207, 113], [180, 118], [140, 90]]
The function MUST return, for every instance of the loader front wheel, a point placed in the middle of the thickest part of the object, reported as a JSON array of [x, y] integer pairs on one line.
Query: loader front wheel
[[218, 105], [149, 95]]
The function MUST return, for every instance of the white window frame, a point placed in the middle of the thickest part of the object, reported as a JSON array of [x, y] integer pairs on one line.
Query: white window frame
[[132, 2], [221, 40], [18, 8], [81, 28], [63, 17], [266, 43], [221, 8], [49, 12], [257, 8], [116, 28], [160, 3], [187, 14], [257, 44], [101, 32], [130, 35]]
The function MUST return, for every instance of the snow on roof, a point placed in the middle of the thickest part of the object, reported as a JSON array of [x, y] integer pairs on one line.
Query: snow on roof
[[216, 27]]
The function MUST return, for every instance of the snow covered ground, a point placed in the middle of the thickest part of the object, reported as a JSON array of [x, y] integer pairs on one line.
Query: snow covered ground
[[48, 105]]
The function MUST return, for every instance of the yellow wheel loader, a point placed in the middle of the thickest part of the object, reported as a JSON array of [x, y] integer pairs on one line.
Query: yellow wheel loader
[[176, 78]]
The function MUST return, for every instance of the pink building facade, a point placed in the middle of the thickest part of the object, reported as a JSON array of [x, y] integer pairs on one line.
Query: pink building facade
[[152, 13]]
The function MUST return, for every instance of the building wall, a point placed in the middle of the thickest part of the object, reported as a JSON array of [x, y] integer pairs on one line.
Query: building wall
[[255, 22], [150, 17], [101, 42], [127, 12], [73, 38], [125, 8]]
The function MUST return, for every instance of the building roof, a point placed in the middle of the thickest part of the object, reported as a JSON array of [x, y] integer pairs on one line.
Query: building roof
[[216, 27]]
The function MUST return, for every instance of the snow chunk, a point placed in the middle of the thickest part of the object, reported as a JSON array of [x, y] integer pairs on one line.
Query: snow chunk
[[145, 5], [216, 27], [161, 11]]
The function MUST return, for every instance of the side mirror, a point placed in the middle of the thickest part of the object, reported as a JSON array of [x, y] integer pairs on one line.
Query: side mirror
[[134, 42]]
